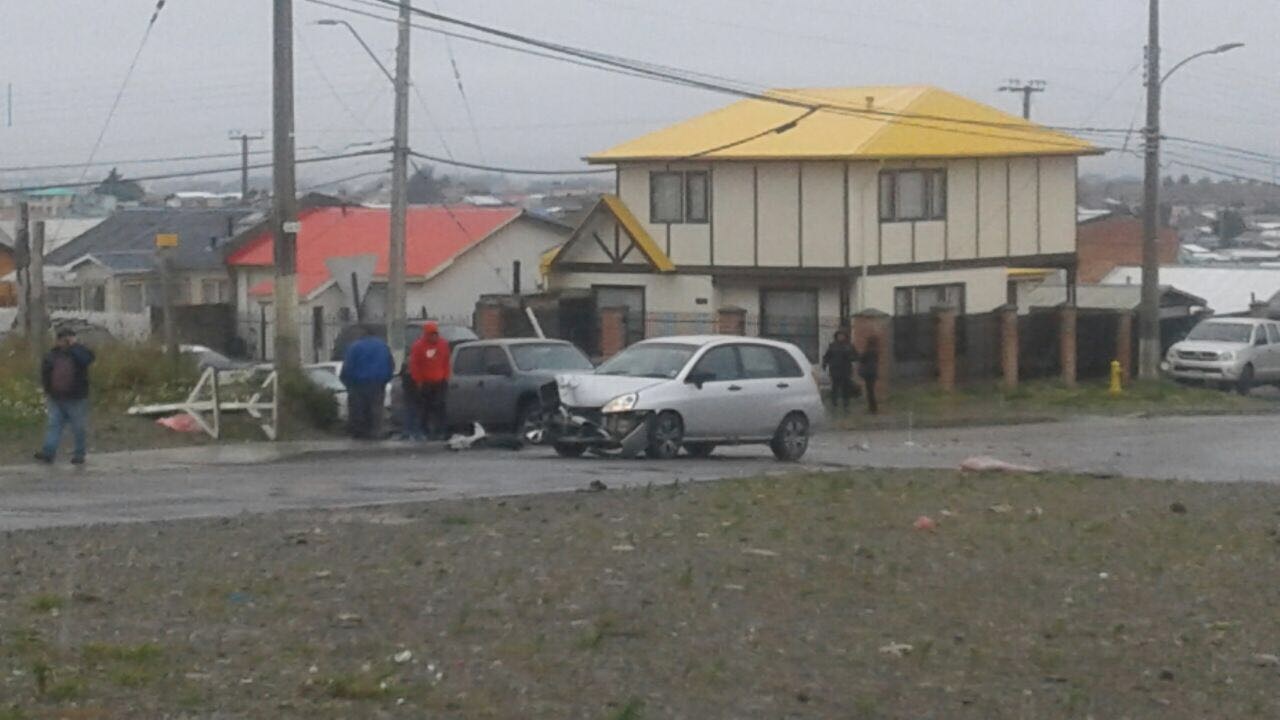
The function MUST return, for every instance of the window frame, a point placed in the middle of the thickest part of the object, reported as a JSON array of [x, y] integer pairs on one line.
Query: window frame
[[705, 216], [686, 214], [732, 349], [654, 176], [495, 352], [934, 179]]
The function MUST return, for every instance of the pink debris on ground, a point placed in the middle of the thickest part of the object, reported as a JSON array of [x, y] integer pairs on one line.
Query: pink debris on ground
[[179, 423], [984, 463], [924, 522]]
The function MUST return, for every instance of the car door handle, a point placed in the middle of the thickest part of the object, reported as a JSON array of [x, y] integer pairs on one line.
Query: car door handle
[[784, 386], [735, 388]]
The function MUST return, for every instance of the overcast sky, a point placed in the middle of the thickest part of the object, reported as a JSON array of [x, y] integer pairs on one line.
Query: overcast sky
[[206, 70]]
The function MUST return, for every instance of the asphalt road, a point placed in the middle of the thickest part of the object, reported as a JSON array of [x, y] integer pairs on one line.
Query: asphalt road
[[199, 484]]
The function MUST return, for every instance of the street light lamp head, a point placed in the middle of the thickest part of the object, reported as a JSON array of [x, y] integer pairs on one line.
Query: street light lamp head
[[1228, 47]]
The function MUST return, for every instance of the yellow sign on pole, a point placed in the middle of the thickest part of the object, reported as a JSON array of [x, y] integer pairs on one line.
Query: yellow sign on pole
[[167, 240]]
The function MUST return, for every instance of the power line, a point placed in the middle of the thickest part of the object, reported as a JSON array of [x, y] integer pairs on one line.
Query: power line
[[194, 173], [1225, 148], [687, 78], [143, 161], [462, 92], [508, 170]]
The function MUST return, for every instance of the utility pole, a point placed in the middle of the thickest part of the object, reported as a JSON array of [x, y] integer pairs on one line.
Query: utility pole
[[284, 211], [38, 312], [1149, 311], [396, 300], [244, 138], [1027, 89], [22, 263]]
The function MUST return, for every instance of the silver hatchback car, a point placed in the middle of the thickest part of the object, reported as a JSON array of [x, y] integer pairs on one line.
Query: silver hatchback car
[[692, 393]]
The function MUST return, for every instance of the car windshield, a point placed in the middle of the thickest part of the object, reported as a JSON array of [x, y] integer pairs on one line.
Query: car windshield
[[653, 360], [549, 356], [1222, 332]]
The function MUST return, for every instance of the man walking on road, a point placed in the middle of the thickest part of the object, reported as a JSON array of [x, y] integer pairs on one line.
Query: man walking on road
[[366, 370], [64, 373], [429, 366]]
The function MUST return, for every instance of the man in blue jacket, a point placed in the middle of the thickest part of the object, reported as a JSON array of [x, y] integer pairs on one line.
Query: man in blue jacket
[[366, 370], [64, 373]]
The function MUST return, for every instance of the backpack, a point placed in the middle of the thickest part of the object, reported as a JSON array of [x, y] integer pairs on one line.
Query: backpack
[[62, 376]]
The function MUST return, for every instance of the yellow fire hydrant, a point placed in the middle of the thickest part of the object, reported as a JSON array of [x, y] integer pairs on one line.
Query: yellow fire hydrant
[[1117, 385]]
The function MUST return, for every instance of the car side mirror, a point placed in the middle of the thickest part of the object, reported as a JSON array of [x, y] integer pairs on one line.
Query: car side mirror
[[698, 379]]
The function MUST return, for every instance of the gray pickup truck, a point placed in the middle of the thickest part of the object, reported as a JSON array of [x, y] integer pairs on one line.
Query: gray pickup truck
[[496, 382]]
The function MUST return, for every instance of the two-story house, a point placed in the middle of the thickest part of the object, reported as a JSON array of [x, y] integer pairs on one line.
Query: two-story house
[[808, 206]]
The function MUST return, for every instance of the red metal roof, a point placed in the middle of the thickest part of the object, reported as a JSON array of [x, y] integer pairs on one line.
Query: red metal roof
[[435, 235]]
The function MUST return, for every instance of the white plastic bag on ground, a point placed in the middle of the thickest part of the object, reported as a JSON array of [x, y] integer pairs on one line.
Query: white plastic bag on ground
[[464, 442], [985, 463]]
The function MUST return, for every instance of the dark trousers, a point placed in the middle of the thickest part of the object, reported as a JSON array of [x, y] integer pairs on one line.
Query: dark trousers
[[842, 390], [434, 418], [869, 381], [412, 411], [364, 410], [63, 414]]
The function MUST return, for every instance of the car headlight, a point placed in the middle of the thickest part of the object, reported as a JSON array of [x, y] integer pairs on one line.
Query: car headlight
[[1227, 356], [622, 403]]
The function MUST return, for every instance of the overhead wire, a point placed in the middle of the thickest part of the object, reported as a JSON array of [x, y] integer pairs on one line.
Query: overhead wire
[[193, 173], [462, 92]]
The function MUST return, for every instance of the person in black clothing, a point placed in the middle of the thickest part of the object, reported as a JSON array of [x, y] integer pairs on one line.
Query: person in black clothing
[[838, 361], [869, 370], [64, 374]]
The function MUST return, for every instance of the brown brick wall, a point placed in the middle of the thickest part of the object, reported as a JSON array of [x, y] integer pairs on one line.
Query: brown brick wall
[[1106, 243], [613, 331]]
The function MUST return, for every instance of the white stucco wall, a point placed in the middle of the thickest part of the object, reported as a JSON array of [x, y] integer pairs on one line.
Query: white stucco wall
[[985, 288], [669, 293]]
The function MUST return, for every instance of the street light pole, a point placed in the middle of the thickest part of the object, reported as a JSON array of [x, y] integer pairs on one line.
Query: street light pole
[[1149, 344], [284, 211], [396, 315], [396, 300]]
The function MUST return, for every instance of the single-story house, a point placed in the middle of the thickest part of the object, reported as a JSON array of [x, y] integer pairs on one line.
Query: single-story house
[[454, 254], [1106, 241], [1226, 290], [809, 205], [113, 266]]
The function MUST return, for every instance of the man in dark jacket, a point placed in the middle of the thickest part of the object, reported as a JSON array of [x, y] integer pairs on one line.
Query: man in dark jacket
[[366, 370], [838, 361], [64, 374]]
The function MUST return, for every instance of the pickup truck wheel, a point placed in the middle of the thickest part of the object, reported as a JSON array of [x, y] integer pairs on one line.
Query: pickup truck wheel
[[791, 439], [665, 435], [569, 450], [1245, 383]]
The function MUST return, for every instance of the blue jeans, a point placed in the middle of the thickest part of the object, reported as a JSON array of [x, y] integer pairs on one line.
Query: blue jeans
[[62, 413]]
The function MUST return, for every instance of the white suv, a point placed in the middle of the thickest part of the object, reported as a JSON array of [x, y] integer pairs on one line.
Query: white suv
[[692, 393], [1228, 352]]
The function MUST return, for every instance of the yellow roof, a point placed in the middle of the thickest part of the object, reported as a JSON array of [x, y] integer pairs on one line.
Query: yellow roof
[[902, 123]]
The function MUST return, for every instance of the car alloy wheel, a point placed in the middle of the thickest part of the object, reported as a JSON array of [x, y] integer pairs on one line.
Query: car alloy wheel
[[791, 440], [666, 432]]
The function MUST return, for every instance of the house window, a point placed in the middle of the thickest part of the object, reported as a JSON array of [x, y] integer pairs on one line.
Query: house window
[[922, 299], [791, 316], [64, 298], [95, 298], [907, 195], [213, 292], [131, 297], [679, 197]]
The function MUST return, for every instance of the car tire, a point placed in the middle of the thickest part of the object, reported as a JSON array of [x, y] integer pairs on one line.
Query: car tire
[[1246, 381], [569, 450], [666, 436], [791, 439], [700, 449], [528, 418]]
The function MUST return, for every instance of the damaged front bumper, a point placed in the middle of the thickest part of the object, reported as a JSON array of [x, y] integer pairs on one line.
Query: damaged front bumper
[[627, 432]]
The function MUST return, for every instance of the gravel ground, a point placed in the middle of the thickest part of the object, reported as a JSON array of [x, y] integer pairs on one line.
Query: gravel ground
[[810, 596]]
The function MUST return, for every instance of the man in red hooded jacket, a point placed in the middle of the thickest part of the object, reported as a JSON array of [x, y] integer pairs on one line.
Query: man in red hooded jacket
[[429, 367]]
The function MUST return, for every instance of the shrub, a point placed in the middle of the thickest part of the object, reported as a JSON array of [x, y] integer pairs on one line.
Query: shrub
[[305, 400]]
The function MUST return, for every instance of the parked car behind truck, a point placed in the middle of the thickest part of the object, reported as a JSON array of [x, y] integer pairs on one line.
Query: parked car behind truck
[[691, 393], [1230, 353]]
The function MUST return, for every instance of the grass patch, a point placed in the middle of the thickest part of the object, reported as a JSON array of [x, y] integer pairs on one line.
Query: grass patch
[[358, 687], [1042, 400], [455, 520], [632, 710], [46, 603]]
